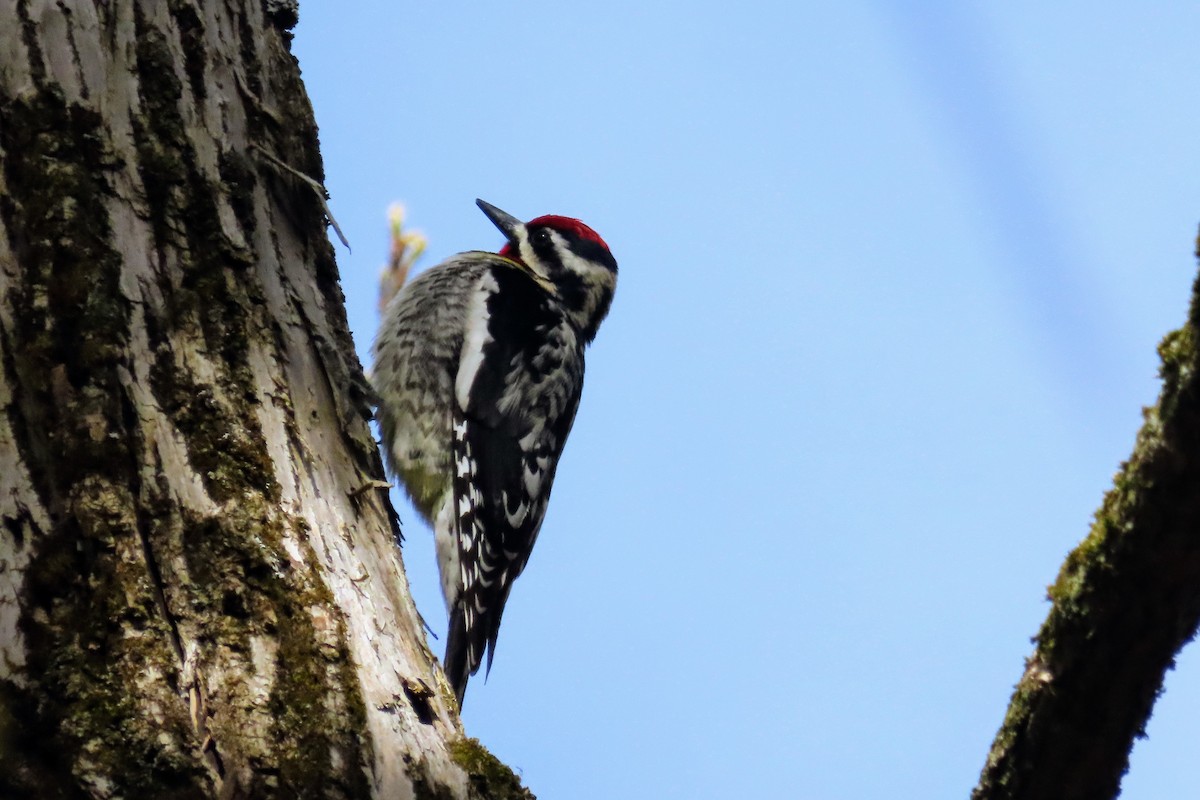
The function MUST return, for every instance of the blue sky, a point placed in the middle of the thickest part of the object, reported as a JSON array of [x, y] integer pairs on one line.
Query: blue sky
[[892, 278]]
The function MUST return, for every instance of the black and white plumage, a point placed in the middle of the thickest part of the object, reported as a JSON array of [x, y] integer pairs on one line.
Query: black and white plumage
[[479, 369]]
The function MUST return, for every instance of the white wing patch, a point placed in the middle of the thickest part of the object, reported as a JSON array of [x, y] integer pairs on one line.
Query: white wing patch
[[476, 338]]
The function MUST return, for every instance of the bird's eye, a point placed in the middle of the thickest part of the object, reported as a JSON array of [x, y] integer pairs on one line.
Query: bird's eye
[[541, 237]]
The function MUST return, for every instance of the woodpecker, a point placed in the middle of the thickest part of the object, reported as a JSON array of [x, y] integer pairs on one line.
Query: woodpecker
[[478, 366]]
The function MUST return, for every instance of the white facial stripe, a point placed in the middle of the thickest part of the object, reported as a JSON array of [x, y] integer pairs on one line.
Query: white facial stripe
[[589, 270], [531, 258], [598, 279]]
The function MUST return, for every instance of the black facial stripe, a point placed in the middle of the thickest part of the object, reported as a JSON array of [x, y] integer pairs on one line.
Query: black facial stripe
[[594, 251], [543, 245], [541, 240]]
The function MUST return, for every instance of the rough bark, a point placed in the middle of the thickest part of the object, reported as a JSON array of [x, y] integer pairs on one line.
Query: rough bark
[[200, 589], [1125, 602]]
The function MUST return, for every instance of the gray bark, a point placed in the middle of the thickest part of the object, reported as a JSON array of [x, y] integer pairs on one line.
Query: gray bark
[[200, 590]]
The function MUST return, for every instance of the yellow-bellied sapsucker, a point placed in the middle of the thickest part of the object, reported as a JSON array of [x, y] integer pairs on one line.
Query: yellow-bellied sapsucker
[[479, 369]]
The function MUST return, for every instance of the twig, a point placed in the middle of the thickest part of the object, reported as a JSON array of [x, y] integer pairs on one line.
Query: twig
[[317, 188]]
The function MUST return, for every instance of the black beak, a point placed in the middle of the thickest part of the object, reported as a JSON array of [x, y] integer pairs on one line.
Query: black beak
[[509, 225]]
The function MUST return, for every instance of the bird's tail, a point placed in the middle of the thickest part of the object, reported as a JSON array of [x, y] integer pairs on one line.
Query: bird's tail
[[458, 663], [469, 635]]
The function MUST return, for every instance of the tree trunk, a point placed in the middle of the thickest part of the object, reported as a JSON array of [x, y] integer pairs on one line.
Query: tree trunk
[[1126, 600], [200, 589]]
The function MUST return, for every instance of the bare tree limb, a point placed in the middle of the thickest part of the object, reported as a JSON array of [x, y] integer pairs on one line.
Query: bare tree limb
[[1125, 601]]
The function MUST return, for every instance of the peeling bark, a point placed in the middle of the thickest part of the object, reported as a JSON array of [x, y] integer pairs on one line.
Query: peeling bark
[[1125, 602], [196, 598]]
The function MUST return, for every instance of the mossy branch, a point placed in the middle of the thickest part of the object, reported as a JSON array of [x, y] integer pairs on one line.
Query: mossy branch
[[1125, 601]]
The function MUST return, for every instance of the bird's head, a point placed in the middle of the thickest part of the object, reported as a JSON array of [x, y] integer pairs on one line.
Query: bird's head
[[566, 258]]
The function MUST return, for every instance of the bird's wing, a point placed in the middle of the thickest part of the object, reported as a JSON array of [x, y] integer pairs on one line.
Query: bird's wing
[[517, 390]]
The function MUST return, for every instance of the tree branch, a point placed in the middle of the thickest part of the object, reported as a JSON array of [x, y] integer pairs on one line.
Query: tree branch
[[1126, 600]]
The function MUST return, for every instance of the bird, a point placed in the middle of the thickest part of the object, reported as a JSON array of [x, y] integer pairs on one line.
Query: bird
[[478, 369]]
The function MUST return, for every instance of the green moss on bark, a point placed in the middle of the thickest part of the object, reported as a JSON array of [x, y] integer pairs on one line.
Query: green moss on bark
[[92, 632], [244, 583], [216, 302], [423, 787], [99, 624], [316, 703], [227, 450], [191, 36], [88, 617], [1124, 603], [30, 764], [490, 778], [72, 320], [216, 293]]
